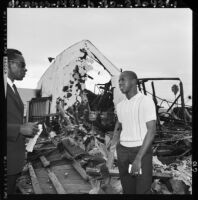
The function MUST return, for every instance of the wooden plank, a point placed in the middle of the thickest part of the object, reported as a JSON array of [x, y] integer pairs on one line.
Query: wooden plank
[[80, 170], [172, 139], [35, 183], [60, 173], [71, 175], [73, 149], [44, 161], [76, 165], [44, 181], [66, 155], [59, 188], [72, 183], [96, 172], [62, 167]]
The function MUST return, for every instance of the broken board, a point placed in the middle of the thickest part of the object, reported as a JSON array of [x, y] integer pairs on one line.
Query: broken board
[[67, 176]]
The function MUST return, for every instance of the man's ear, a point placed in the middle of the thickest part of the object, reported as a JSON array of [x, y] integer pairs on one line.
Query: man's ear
[[8, 68], [134, 81]]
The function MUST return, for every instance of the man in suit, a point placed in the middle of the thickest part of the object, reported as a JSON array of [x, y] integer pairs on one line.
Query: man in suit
[[16, 130]]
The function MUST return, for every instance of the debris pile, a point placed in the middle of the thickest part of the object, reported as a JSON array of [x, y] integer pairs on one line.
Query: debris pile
[[78, 135], [81, 135], [172, 160], [175, 178]]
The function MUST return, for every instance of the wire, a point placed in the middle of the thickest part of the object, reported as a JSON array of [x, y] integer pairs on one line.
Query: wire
[[164, 99]]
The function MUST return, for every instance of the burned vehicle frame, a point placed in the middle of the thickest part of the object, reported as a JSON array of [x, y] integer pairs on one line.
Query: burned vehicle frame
[[184, 114]]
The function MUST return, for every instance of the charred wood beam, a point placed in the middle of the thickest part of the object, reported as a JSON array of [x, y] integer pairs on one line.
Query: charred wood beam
[[156, 106], [154, 96], [182, 100], [144, 88], [174, 102], [171, 119], [158, 79], [172, 139], [139, 87], [90, 77], [173, 132]]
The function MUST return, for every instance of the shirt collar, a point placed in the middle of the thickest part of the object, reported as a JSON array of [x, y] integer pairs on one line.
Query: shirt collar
[[134, 97], [10, 83]]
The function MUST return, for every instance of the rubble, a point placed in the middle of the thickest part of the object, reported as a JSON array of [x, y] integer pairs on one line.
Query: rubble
[[80, 131], [179, 175], [86, 146]]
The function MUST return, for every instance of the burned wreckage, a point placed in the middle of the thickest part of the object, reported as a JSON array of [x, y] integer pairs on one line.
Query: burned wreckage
[[70, 155]]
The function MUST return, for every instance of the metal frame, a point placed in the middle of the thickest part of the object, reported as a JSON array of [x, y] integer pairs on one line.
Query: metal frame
[[141, 86]]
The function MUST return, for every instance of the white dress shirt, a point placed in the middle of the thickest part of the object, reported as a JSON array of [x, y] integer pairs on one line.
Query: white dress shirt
[[10, 83]]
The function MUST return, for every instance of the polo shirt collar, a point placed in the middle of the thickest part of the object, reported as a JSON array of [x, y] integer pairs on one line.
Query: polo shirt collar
[[134, 97]]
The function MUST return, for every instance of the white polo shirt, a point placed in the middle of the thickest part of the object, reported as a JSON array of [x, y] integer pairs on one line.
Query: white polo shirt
[[133, 115]]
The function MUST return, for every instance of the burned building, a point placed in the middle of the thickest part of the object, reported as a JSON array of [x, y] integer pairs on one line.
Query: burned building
[[75, 104]]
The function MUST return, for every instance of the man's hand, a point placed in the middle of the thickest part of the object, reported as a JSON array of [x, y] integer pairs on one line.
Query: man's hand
[[136, 167], [112, 147], [116, 136], [29, 129]]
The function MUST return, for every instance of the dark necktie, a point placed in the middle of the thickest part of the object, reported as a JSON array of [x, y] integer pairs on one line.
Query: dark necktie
[[16, 93]]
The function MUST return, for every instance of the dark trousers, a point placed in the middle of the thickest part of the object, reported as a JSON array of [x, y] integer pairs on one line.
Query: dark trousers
[[134, 184], [11, 183]]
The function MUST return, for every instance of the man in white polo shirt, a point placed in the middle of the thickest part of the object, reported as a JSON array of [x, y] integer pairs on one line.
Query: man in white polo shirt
[[133, 136]]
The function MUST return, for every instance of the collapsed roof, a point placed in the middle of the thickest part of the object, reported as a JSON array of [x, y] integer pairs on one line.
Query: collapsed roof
[[59, 73]]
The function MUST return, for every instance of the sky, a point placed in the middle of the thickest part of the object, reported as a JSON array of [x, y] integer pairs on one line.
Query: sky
[[151, 42]]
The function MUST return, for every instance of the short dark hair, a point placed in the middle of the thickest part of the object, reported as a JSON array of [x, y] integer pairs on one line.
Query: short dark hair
[[131, 74], [13, 53]]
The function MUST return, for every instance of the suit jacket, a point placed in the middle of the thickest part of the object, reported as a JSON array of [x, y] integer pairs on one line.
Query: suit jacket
[[15, 141]]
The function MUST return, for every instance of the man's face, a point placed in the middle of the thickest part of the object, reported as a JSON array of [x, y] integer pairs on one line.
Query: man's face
[[16, 69], [125, 83]]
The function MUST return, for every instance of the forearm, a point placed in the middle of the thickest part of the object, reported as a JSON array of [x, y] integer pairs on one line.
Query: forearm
[[147, 142], [13, 131], [116, 133]]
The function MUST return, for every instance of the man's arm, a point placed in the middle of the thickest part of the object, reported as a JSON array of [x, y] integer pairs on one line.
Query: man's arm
[[114, 141], [151, 128], [13, 131], [28, 130], [116, 135]]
